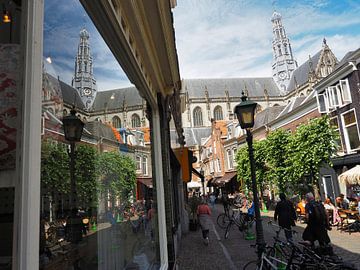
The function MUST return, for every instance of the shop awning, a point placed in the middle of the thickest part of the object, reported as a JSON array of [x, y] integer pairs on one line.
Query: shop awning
[[224, 179], [351, 177], [146, 181]]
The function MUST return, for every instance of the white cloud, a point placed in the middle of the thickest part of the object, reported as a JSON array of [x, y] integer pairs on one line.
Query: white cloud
[[233, 38]]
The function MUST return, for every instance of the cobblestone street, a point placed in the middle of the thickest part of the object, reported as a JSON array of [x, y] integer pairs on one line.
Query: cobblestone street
[[235, 252]]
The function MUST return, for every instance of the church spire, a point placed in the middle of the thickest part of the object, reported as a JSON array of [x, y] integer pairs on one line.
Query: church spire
[[283, 62], [84, 81]]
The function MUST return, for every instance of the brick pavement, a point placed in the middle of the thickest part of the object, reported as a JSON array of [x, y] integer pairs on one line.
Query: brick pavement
[[235, 252]]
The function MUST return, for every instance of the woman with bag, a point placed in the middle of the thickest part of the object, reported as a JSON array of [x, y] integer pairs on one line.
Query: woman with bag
[[204, 215]]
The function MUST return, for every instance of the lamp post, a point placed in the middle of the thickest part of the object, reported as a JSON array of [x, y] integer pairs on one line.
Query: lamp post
[[202, 178], [245, 112], [73, 128]]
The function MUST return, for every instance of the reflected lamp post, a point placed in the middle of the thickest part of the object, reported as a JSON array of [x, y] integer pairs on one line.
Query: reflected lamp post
[[202, 178], [73, 129], [245, 112]]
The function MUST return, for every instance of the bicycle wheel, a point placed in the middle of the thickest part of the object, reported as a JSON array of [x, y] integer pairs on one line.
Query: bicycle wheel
[[223, 220], [252, 265]]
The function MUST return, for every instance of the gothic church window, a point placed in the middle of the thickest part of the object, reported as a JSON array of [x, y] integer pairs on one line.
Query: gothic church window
[[218, 113], [279, 49], [135, 121], [286, 49], [197, 116], [116, 122]]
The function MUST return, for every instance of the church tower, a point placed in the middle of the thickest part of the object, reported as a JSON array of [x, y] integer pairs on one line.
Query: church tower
[[283, 63], [84, 81]]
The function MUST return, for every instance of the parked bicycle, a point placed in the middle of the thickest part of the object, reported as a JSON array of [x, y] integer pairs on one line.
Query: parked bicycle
[[242, 220], [288, 255]]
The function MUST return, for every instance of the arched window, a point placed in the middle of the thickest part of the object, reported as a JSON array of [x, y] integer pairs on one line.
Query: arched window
[[116, 122], [135, 121], [197, 116], [218, 113]]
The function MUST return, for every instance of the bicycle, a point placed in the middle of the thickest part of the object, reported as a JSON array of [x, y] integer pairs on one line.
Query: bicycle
[[287, 255], [243, 222]]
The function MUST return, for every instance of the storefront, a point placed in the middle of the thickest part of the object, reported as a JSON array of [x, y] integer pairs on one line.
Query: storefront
[[112, 241]]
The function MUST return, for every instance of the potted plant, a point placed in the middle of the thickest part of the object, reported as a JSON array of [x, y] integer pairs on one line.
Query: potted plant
[[193, 204]]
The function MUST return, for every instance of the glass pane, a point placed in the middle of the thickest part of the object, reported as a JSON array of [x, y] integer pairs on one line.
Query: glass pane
[[345, 90], [98, 203], [334, 123], [10, 116], [321, 103], [349, 118], [353, 137]]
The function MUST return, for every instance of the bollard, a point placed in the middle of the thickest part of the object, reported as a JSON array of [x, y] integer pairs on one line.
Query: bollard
[[93, 227]]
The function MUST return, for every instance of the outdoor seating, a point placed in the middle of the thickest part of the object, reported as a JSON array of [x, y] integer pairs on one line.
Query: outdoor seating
[[349, 220]]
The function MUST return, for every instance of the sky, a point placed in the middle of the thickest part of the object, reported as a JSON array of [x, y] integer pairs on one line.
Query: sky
[[214, 38]]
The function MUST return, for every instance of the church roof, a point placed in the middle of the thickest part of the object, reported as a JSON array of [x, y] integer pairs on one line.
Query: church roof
[[217, 87], [348, 57], [69, 94], [194, 135], [300, 75], [264, 117], [114, 99]]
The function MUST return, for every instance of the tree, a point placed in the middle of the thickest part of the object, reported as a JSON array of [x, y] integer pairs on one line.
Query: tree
[[243, 164], [117, 173], [55, 175], [310, 148], [87, 185], [276, 151]]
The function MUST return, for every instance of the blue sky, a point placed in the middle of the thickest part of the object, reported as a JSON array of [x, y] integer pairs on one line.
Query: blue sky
[[214, 38]]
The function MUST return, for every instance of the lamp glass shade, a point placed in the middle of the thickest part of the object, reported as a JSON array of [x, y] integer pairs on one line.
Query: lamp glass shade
[[6, 18], [73, 127], [245, 112]]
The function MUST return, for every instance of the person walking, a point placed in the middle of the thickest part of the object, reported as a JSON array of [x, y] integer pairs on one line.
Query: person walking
[[204, 215], [317, 224], [285, 215]]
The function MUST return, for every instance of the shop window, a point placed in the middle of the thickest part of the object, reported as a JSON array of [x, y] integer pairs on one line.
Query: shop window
[[351, 131]]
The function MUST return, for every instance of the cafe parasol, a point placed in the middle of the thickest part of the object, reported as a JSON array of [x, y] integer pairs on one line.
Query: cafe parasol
[[351, 177]]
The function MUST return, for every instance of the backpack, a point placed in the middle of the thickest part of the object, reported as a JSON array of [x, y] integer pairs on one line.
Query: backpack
[[318, 214]]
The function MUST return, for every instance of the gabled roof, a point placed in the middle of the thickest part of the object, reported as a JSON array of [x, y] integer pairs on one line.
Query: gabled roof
[[217, 87], [264, 117], [300, 75], [114, 99]]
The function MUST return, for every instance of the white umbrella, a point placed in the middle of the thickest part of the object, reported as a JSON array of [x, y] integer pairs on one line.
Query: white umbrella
[[193, 184], [351, 177]]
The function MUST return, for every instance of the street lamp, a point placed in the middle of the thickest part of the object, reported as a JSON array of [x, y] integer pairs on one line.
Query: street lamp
[[73, 128], [202, 178], [245, 112]]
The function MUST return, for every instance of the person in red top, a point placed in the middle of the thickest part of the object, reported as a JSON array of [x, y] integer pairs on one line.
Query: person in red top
[[204, 214]]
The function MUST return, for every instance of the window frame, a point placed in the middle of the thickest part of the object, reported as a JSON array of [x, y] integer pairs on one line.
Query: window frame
[[218, 113], [198, 117], [135, 120], [229, 153], [345, 130]]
